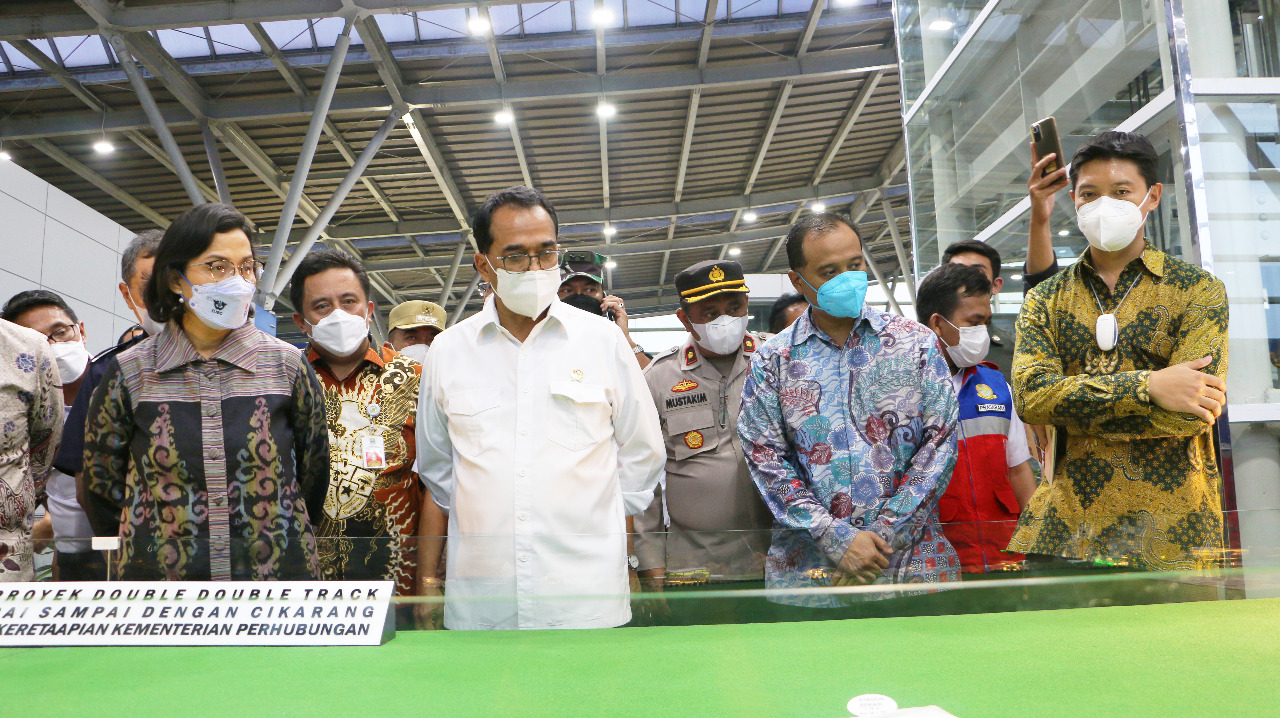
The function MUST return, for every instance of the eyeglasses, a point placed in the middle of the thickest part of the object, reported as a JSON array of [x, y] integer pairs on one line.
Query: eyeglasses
[[64, 333], [220, 269], [548, 259]]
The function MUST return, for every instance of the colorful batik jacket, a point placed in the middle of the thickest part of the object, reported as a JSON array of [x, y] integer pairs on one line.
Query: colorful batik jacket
[[208, 468], [1134, 483], [843, 439]]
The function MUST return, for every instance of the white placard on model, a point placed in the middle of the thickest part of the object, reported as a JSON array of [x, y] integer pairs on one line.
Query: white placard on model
[[190, 613]]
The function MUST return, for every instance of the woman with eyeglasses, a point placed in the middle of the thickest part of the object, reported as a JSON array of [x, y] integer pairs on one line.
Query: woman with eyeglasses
[[206, 449]]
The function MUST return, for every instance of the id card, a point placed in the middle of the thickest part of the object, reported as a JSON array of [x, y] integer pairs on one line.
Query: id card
[[375, 452]]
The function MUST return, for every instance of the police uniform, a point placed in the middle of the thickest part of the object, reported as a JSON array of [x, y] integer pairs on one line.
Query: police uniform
[[716, 523]]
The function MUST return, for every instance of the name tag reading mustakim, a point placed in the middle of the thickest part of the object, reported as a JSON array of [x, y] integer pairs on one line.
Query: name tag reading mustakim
[[374, 451]]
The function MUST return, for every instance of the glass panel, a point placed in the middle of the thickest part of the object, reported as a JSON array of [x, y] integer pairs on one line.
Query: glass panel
[[185, 42], [233, 39], [327, 30], [547, 17], [716, 577], [1254, 27], [83, 51], [289, 34], [396, 27], [1241, 147], [755, 8], [1091, 65], [928, 30], [505, 19], [443, 24]]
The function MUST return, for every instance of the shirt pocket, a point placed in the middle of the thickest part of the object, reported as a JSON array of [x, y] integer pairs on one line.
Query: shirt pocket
[[579, 416], [691, 432], [1005, 495], [470, 419]]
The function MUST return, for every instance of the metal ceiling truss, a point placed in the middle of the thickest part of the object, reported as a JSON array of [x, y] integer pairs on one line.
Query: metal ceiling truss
[[124, 32]]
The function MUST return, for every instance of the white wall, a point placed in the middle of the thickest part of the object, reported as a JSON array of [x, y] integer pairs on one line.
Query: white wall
[[50, 240]]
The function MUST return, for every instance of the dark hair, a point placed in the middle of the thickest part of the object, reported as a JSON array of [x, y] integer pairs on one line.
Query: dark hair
[[187, 238], [23, 302], [140, 247], [973, 246], [1129, 146], [780, 306], [940, 290], [520, 196], [321, 260], [819, 223]]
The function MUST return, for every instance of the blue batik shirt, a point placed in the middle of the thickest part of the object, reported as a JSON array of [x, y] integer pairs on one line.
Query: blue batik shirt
[[846, 439]]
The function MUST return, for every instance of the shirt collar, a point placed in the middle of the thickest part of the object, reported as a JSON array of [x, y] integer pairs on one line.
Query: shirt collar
[[490, 322], [240, 348], [371, 354], [803, 328], [1152, 259]]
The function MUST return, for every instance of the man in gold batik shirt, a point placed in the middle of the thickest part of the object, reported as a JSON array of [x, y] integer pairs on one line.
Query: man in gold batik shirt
[[369, 525], [1124, 352]]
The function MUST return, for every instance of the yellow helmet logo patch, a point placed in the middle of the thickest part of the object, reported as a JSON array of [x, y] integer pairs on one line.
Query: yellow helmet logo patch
[[685, 385], [716, 274]]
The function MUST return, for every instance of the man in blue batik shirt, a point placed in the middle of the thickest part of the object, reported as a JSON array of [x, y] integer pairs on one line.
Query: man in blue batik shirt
[[848, 425]]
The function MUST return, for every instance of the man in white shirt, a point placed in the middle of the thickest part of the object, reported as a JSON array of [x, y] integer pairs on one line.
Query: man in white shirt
[[537, 436]]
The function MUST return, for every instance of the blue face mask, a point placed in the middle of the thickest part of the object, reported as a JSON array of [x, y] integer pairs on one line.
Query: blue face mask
[[842, 295]]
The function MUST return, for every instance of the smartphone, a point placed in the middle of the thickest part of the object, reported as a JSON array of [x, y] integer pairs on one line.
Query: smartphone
[[1044, 135]]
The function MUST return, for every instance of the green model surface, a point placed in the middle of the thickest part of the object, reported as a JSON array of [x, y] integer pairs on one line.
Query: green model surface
[[1189, 659]]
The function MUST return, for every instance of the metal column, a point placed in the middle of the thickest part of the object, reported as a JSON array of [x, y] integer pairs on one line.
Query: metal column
[[153, 115], [335, 200], [305, 156], [447, 286], [215, 163]]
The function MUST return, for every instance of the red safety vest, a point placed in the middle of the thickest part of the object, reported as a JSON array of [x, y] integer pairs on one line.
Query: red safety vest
[[979, 510]]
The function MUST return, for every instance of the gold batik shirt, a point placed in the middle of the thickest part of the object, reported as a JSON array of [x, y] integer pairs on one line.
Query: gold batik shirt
[[1134, 483], [368, 528]]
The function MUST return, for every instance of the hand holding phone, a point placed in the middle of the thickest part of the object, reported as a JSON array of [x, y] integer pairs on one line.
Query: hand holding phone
[[1044, 142]]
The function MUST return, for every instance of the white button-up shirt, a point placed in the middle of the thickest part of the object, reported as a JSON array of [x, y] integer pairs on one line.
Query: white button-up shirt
[[538, 451]]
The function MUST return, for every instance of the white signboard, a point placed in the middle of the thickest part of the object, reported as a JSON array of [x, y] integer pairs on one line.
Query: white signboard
[[169, 613]]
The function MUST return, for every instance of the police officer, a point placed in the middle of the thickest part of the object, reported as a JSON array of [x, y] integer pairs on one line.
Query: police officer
[[715, 524]]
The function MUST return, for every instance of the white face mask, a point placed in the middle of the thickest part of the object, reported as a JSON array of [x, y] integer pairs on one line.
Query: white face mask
[[527, 293], [72, 359], [973, 347], [222, 305], [340, 333], [1111, 224], [149, 325], [722, 335], [416, 352]]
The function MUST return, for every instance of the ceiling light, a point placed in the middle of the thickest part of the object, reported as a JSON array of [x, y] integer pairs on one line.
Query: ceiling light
[[1063, 233], [818, 207], [602, 17], [478, 25], [610, 230], [5, 156], [610, 264], [504, 117], [734, 251], [1015, 277], [103, 147], [941, 25], [749, 216], [604, 110]]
